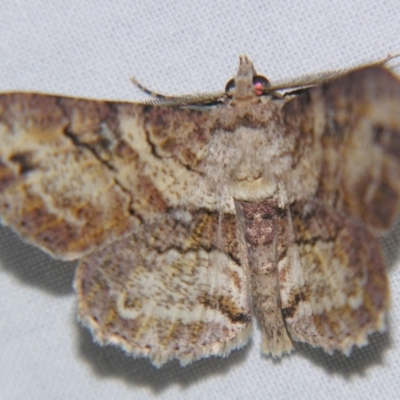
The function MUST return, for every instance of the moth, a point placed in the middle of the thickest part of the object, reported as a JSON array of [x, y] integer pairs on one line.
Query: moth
[[191, 215]]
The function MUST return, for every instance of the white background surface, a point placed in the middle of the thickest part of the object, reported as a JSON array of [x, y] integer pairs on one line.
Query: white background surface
[[91, 48]]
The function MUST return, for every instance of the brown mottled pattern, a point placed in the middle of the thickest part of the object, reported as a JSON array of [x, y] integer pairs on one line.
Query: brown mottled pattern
[[71, 180], [361, 173], [188, 219], [182, 298], [265, 229], [344, 282]]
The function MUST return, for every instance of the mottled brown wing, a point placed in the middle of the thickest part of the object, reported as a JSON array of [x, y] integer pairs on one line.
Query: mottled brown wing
[[172, 289], [76, 174], [359, 116], [334, 289]]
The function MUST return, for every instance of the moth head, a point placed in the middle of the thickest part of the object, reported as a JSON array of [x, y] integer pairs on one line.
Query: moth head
[[247, 84]]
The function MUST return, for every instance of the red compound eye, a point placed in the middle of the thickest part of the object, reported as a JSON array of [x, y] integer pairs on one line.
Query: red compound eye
[[261, 85]]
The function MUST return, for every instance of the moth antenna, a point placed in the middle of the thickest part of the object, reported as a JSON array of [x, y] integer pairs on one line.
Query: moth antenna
[[149, 92], [389, 58], [319, 78], [178, 100]]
